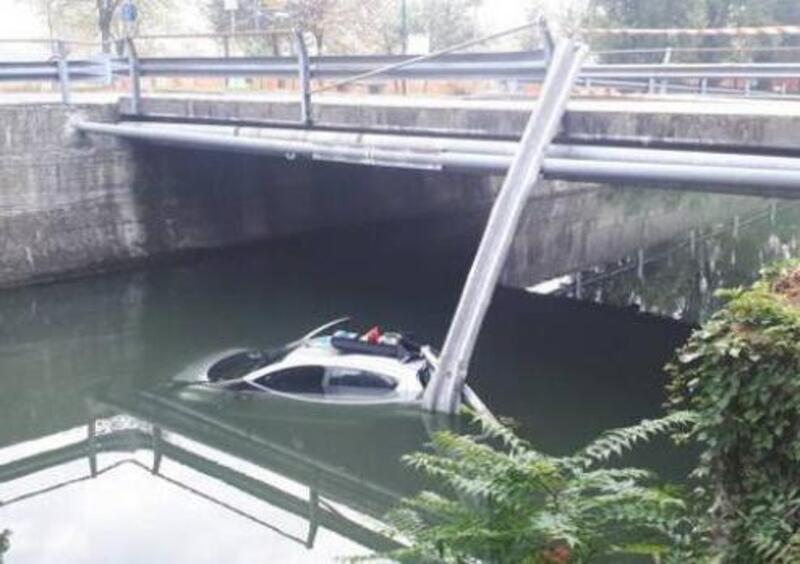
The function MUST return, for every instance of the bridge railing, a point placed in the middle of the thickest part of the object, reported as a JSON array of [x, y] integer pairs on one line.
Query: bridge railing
[[601, 76]]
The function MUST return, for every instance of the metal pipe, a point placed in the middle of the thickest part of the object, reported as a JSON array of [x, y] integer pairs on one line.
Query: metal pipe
[[444, 391], [721, 173], [371, 141]]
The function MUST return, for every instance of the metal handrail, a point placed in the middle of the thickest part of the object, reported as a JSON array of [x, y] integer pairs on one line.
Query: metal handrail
[[443, 64]]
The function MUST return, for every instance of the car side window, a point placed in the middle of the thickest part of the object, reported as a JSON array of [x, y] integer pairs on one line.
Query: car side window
[[297, 379], [355, 378]]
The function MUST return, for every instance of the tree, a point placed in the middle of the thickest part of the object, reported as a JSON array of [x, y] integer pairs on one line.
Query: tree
[[689, 14], [313, 16], [446, 22], [90, 19], [251, 15], [369, 26]]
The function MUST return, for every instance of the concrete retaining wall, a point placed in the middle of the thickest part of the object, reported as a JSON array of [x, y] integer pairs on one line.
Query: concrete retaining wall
[[71, 205]]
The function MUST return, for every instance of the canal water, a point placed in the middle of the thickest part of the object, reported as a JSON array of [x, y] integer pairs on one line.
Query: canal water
[[103, 459]]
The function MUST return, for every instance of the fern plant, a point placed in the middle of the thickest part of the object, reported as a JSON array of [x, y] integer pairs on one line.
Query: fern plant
[[503, 501]]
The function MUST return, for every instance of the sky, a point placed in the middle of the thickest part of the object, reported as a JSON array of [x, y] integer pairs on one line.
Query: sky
[[18, 19]]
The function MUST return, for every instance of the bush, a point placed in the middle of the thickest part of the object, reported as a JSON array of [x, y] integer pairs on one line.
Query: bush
[[511, 503], [740, 375]]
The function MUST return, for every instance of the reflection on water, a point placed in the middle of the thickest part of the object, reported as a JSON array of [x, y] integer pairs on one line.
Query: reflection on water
[[103, 458], [680, 277]]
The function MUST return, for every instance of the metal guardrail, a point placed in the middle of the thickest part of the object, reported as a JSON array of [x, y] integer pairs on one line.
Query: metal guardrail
[[661, 77], [520, 65]]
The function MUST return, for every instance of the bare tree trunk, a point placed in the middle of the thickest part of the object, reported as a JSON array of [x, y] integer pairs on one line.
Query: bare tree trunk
[[105, 15]]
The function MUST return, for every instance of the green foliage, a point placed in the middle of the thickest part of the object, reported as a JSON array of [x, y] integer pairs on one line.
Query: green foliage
[[503, 501], [692, 14], [740, 374]]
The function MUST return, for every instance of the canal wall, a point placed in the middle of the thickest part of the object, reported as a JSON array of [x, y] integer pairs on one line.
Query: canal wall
[[591, 229], [70, 205]]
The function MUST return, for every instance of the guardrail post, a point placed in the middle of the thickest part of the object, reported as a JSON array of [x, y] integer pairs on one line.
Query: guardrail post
[[704, 86], [304, 75], [444, 391], [133, 74], [665, 61], [61, 54]]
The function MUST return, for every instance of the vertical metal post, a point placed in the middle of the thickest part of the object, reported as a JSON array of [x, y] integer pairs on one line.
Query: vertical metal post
[[313, 516], [91, 440], [665, 61], [133, 74], [62, 60], [158, 455], [444, 391], [640, 264], [704, 86], [304, 72]]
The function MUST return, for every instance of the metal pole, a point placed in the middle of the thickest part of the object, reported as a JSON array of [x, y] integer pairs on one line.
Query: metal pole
[[304, 74], [667, 57], [444, 390], [63, 70], [91, 439], [133, 74], [694, 170], [445, 147]]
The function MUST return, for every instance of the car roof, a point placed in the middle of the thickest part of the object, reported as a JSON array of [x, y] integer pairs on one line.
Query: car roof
[[323, 354]]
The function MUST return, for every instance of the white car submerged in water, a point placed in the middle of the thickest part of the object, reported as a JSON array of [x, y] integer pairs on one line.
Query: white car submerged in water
[[343, 368]]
